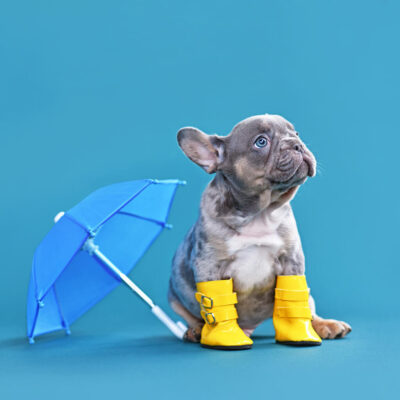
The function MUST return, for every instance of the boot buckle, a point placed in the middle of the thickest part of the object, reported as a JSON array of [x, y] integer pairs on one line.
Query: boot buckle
[[213, 322], [204, 306]]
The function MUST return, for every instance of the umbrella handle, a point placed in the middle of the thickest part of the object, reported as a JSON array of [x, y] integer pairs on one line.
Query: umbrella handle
[[178, 329]]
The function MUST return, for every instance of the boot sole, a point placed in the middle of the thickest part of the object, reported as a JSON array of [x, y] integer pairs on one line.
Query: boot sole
[[300, 344], [244, 347]]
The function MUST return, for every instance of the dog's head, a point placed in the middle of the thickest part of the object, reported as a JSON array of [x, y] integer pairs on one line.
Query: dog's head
[[261, 153]]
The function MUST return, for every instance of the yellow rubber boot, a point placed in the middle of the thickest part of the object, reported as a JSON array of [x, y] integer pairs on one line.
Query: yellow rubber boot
[[221, 330], [292, 314]]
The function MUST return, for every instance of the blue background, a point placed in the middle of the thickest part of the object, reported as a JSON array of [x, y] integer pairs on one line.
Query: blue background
[[93, 93]]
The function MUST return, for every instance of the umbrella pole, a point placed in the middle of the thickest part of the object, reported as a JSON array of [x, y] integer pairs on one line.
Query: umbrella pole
[[177, 328]]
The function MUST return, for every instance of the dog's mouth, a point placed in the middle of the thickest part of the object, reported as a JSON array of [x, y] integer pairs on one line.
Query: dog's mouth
[[288, 185], [310, 164], [299, 175]]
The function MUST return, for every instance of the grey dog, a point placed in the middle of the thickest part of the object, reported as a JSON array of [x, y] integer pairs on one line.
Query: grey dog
[[246, 229]]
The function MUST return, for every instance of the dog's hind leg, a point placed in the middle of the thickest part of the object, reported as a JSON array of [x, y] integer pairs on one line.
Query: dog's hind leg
[[193, 333]]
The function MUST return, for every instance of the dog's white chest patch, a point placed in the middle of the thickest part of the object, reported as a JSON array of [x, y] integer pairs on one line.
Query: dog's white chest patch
[[255, 250]]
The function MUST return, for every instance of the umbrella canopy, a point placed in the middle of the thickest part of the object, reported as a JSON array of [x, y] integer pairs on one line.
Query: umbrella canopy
[[91, 249]]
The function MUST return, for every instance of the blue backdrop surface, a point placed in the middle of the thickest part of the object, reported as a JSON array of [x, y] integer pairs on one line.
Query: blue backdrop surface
[[93, 93]]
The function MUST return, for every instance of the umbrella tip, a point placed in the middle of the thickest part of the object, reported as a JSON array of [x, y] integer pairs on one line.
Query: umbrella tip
[[59, 216], [31, 340]]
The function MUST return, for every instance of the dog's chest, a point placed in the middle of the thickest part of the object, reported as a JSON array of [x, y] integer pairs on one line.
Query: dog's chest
[[255, 250]]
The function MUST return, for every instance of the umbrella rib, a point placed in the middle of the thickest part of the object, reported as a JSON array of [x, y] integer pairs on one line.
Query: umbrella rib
[[172, 198], [71, 218], [123, 205], [156, 221], [31, 334], [64, 321], [40, 298]]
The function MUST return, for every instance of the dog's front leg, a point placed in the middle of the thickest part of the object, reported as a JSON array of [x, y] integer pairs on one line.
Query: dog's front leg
[[209, 269], [292, 316], [292, 263], [328, 328]]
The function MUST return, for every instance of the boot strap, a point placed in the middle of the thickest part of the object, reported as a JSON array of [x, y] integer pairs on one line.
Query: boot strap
[[224, 314], [292, 295], [215, 301], [293, 312]]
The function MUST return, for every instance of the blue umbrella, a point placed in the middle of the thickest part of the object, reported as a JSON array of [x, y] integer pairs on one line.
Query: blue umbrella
[[92, 248]]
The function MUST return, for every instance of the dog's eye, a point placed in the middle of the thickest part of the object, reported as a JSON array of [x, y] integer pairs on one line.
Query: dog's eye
[[261, 142]]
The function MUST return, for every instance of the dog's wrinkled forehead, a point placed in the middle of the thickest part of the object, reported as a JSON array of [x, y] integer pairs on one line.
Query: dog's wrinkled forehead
[[274, 126]]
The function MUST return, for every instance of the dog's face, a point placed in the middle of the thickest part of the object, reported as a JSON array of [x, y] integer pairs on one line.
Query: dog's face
[[261, 153]]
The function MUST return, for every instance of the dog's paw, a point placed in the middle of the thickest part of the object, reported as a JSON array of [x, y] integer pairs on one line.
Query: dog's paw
[[330, 328], [192, 335]]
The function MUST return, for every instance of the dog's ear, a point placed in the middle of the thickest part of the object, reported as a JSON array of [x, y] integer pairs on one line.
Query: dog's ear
[[205, 150]]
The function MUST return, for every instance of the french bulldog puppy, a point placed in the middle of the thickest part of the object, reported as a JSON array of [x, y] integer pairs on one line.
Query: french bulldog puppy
[[246, 229]]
